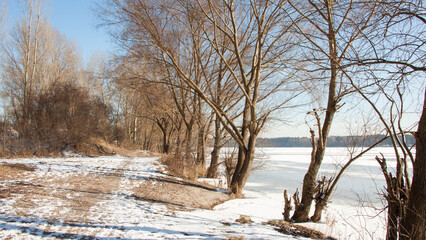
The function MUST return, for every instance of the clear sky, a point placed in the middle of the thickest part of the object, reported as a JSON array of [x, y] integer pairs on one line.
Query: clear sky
[[74, 18]]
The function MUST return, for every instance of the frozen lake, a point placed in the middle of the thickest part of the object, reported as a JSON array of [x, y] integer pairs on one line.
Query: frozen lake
[[284, 168], [356, 208]]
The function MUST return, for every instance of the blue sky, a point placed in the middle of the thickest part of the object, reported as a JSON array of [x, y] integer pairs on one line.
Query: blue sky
[[73, 18]]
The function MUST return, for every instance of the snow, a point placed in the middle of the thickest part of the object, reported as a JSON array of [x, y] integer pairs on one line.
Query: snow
[[355, 212], [119, 215]]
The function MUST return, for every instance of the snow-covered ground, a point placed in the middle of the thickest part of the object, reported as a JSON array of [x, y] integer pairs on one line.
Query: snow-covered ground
[[115, 215], [351, 215]]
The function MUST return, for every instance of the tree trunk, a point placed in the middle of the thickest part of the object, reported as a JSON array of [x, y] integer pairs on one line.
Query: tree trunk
[[212, 171], [166, 142], [242, 152], [135, 129], [239, 179], [201, 154], [414, 224], [320, 204], [393, 216], [188, 160], [287, 206], [301, 214]]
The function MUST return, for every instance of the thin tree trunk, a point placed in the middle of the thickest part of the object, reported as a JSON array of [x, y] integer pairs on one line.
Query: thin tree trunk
[[166, 143], [135, 129], [319, 208], [201, 154], [287, 206], [212, 171], [188, 160]]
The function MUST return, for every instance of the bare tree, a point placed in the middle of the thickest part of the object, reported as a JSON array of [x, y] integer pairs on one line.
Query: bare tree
[[258, 41], [152, 103], [35, 57], [100, 74], [329, 29]]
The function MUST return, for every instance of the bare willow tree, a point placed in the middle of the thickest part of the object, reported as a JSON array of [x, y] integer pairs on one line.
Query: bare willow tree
[[329, 29], [259, 42], [395, 59]]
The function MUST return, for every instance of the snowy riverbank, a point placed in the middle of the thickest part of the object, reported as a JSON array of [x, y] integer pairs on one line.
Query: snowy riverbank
[[99, 211]]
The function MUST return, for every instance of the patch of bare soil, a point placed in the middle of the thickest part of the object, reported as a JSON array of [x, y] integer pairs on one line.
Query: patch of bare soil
[[69, 198], [177, 193], [11, 170]]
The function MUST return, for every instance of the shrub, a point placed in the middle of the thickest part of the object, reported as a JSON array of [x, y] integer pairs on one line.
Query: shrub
[[64, 116]]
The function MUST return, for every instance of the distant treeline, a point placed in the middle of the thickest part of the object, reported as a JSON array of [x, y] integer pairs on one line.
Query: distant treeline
[[333, 141]]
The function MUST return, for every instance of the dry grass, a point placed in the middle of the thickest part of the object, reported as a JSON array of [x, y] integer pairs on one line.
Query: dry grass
[[175, 166], [298, 230], [99, 147], [92, 147], [244, 219], [179, 194]]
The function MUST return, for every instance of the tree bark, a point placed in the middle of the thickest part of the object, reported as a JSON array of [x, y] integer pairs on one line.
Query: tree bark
[[393, 216], [414, 223], [212, 171], [188, 161], [243, 151], [287, 206], [240, 179], [166, 142], [201, 154], [320, 204], [308, 190]]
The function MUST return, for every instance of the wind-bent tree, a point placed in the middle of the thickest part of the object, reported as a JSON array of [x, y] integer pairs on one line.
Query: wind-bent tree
[[259, 40], [329, 29]]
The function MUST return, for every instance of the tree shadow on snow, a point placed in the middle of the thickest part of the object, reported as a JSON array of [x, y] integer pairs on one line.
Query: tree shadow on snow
[[8, 222]]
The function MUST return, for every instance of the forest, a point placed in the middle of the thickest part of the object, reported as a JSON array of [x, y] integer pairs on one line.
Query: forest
[[195, 76], [333, 141]]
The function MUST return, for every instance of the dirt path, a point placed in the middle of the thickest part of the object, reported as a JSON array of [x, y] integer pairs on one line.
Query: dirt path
[[75, 198]]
